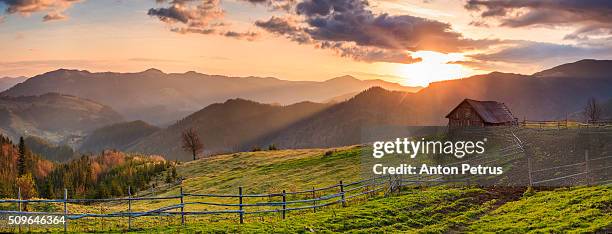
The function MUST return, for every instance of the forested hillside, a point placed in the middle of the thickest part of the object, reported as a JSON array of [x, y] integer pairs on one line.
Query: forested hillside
[[108, 174], [48, 150]]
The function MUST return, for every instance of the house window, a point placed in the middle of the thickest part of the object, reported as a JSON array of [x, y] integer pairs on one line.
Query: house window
[[468, 113]]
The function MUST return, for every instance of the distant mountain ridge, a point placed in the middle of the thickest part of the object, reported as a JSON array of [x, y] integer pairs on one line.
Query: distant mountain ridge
[[160, 98], [586, 68], [8, 82]]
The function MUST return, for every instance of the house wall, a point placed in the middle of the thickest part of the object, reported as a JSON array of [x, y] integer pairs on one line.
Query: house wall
[[465, 116]]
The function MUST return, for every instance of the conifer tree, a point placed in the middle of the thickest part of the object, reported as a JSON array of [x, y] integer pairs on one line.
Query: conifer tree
[[21, 160]]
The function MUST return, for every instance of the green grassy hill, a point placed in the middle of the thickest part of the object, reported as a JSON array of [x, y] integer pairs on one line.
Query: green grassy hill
[[428, 209]]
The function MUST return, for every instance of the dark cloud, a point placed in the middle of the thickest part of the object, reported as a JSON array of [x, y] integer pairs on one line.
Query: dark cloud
[[197, 16], [54, 16], [191, 15], [285, 27], [53, 8], [250, 36], [594, 17], [352, 21], [351, 29]]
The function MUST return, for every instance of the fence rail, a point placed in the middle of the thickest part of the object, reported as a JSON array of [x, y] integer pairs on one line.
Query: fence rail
[[342, 193], [559, 124]]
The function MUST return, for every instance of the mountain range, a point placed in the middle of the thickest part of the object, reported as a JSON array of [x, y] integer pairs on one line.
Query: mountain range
[[240, 124], [160, 98]]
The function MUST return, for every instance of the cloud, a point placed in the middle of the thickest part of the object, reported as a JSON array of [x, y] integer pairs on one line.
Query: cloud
[[545, 53], [350, 28], [54, 16], [369, 54], [192, 15], [249, 36], [54, 9], [287, 27], [592, 17], [352, 21], [197, 16]]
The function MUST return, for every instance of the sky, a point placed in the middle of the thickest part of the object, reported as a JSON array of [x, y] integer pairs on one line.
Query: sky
[[409, 42]]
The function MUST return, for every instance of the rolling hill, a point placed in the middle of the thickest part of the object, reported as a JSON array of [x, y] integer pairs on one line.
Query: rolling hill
[[161, 98], [54, 117]]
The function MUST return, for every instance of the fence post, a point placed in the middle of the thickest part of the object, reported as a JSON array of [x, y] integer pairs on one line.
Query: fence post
[[342, 194], [240, 204], [129, 207], [19, 203], [284, 203], [314, 202], [399, 184], [182, 207], [586, 164], [65, 209]]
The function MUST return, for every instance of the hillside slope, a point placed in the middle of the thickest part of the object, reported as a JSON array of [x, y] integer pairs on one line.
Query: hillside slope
[[118, 136], [54, 117], [442, 210], [226, 127], [419, 209]]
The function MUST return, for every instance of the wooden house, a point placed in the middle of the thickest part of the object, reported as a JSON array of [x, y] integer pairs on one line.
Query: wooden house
[[473, 113]]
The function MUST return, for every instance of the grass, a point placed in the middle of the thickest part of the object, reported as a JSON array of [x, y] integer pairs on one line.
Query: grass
[[581, 210], [443, 210], [437, 209], [418, 209]]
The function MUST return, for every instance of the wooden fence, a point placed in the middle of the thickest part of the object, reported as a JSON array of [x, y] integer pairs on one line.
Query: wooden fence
[[340, 194], [559, 124]]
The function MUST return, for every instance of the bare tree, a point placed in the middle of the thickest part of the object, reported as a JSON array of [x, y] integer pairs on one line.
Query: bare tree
[[592, 110], [191, 142]]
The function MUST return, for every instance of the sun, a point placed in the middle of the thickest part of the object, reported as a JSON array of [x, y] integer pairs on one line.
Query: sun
[[434, 66]]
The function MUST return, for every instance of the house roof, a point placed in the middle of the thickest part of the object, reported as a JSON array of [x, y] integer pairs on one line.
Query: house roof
[[489, 111]]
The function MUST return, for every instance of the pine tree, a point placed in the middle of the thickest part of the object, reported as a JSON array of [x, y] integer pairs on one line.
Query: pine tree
[[21, 161]]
